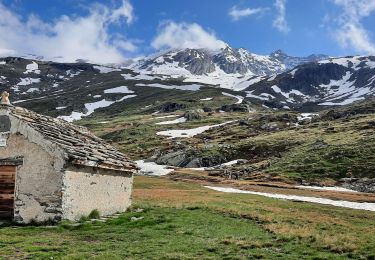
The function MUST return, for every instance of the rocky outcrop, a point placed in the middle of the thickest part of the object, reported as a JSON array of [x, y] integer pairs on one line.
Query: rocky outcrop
[[192, 115], [336, 81], [359, 184], [236, 108], [171, 107], [188, 158], [178, 158]]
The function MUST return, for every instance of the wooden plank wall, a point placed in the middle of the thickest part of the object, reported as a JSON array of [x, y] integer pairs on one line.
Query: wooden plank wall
[[7, 185]]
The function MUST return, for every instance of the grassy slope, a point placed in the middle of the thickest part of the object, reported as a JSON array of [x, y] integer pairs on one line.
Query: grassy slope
[[322, 150], [185, 221]]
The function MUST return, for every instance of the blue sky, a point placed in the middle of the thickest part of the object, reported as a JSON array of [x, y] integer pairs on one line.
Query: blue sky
[[118, 29]]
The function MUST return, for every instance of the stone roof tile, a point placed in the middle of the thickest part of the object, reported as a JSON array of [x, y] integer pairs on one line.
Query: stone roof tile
[[81, 146]]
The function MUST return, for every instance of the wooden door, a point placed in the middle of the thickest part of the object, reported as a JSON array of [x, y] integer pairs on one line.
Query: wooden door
[[7, 185]]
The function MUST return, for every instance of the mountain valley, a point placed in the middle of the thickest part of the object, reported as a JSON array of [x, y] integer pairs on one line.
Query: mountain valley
[[270, 121]]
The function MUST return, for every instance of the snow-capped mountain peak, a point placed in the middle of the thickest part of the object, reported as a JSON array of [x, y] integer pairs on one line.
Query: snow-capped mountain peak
[[207, 66], [290, 62]]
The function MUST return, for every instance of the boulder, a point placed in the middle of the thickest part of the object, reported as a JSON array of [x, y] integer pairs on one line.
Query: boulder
[[192, 115], [207, 109], [178, 159]]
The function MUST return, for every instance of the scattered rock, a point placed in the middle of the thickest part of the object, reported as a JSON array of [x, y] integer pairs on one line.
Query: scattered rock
[[330, 129], [371, 123], [359, 184], [269, 126], [75, 224], [207, 109], [136, 218], [244, 122], [320, 144]]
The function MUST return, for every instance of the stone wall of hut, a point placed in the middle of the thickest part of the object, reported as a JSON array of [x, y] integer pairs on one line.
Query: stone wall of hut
[[87, 188], [38, 181]]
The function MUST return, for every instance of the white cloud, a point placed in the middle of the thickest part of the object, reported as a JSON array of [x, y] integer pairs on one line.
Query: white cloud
[[237, 13], [80, 37], [7, 52], [185, 35], [125, 10], [280, 22], [351, 32]]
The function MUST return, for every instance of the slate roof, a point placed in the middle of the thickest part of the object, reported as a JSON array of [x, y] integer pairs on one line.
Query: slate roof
[[80, 145]]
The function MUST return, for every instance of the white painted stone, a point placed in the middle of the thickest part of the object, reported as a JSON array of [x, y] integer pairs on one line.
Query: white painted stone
[[87, 188]]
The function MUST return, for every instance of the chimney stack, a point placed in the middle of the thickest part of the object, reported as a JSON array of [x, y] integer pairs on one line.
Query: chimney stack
[[5, 99]]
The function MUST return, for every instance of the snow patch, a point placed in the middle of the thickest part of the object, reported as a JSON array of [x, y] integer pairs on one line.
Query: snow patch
[[153, 169], [287, 95], [104, 70], [32, 68], [345, 102], [293, 72], [325, 188], [121, 89], [28, 81], [217, 166], [71, 74], [192, 87], [176, 121], [338, 203], [346, 62], [91, 107], [306, 116], [239, 98], [31, 90], [271, 78], [343, 91], [139, 77], [251, 95], [187, 133], [169, 116]]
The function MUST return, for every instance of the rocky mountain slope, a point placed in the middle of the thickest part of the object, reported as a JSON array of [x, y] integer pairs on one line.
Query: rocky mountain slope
[[227, 60], [227, 67], [290, 62], [76, 90], [332, 147], [330, 82]]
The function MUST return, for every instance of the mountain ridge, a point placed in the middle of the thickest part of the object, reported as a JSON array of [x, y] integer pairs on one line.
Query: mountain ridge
[[229, 60], [76, 90]]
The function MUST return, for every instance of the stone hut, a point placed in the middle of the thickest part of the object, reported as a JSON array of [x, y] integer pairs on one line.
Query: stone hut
[[53, 170]]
